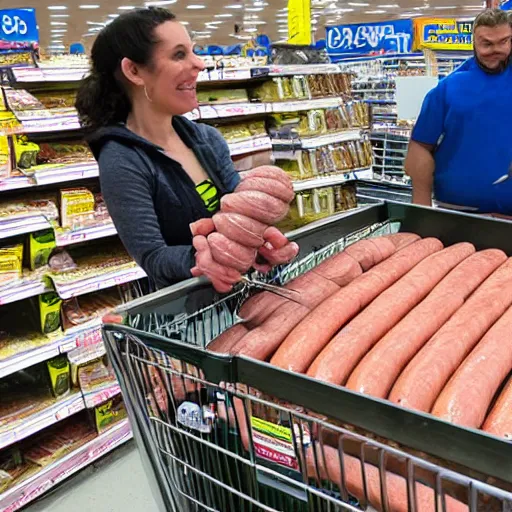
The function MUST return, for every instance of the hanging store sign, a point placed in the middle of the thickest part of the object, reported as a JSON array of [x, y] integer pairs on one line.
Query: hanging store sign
[[18, 29], [299, 22], [443, 34], [369, 39]]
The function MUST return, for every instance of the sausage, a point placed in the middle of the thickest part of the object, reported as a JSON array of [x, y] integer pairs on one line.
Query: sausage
[[242, 229], [339, 358], [229, 253], [228, 339], [270, 186], [256, 205], [326, 466], [202, 227], [310, 336], [499, 421], [384, 247], [379, 369], [261, 342], [401, 240], [311, 290], [426, 375], [469, 393], [365, 252], [268, 171], [340, 269]]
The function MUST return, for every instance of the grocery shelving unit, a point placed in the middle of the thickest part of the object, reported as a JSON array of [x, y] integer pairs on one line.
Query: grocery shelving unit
[[21, 217]]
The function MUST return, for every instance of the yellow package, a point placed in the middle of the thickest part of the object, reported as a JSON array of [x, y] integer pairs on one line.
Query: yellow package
[[76, 207], [58, 370], [26, 152], [109, 413], [11, 263], [41, 245], [49, 312]]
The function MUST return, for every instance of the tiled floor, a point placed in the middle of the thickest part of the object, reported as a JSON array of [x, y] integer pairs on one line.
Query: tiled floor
[[116, 483]]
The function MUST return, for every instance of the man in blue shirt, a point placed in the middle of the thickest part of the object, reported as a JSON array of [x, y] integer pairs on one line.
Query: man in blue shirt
[[461, 145]]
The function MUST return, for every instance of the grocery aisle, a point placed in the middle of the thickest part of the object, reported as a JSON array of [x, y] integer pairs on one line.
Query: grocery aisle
[[116, 483]]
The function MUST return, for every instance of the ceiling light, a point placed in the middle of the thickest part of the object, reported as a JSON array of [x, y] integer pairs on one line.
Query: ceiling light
[[59, 30], [389, 6], [234, 6], [126, 7], [89, 6], [409, 14], [376, 11], [160, 3], [258, 22], [113, 15], [439, 8], [57, 7], [95, 23], [243, 38], [184, 22], [196, 6], [223, 16], [58, 23], [359, 4], [314, 22], [213, 22], [57, 47], [251, 29], [341, 11], [254, 9], [210, 27], [260, 4], [202, 33], [59, 15]]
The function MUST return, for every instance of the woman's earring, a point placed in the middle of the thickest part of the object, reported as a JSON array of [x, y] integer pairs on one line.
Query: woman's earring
[[147, 95]]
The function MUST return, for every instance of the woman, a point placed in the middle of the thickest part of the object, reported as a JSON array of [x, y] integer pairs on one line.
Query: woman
[[159, 172]]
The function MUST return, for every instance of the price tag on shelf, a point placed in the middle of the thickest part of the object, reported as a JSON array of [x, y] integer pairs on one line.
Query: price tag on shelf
[[70, 409], [94, 399]]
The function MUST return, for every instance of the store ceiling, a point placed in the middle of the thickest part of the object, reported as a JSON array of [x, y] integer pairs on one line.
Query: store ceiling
[[62, 22]]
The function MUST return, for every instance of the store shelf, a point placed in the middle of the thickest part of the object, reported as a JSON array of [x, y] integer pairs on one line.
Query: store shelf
[[309, 69], [298, 105], [69, 237], [100, 396], [330, 138], [50, 476], [30, 76], [21, 291], [60, 410], [15, 183], [54, 124], [87, 335], [98, 282], [336, 179], [19, 226], [67, 173], [230, 110], [250, 145]]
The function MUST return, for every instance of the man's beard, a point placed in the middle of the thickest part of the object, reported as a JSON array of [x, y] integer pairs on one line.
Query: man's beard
[[494, 71]]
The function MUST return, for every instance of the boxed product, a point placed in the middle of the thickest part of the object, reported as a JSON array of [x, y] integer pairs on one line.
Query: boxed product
[[59, 373], [76, 207], [222, 96], [26, 152], [11, 263], [49, 312], [41, 245], [108, 414]]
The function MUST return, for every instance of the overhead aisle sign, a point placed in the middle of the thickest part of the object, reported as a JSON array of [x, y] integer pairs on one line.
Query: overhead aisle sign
[[380, 38], [18, 28], [443, 34], [299, 22]]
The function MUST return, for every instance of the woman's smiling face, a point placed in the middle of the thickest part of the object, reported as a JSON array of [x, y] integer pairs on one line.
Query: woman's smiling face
[[170, 79]]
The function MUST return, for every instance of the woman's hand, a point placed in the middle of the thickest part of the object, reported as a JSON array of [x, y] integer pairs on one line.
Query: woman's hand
[[222, 278]]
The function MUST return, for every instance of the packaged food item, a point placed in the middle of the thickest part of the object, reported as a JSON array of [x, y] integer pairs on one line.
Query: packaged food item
[[26, 152], [62, 99], [209, 96], [5, 156], [306, 165], [20, 100], [300, 87], [11, 263], [64, 153], [92, 375], [59, 372], [41, 245], [61, 261], [108, 414], [49, 312], [13, 469], [315, 86], [333, 119], [76, 207]]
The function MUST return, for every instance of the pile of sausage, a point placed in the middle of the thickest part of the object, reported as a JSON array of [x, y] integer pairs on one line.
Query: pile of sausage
[[396, 317], [228, 244]]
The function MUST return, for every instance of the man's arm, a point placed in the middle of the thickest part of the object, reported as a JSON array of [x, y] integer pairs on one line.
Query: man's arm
[[420, 166]]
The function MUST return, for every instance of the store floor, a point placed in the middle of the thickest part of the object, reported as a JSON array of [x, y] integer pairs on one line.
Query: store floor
[[116, 483]]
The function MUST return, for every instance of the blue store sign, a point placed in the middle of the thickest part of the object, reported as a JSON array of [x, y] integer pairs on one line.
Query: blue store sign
[[18, 28], [369, 39]]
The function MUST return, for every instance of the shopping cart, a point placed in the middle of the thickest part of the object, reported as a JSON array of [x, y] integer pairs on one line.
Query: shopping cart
[[223, 433]]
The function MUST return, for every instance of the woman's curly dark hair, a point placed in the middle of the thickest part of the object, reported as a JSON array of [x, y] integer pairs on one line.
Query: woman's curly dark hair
[[102, 99]]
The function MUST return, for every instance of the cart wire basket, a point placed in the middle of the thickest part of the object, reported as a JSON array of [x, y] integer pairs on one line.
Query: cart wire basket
[[222, 433]]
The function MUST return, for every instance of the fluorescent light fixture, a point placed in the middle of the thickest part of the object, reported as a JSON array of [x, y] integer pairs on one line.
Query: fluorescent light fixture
[[234, 6], [254, 9], [113, 15], [57, 47], [126, 7], [59, 15], [282, 30], [59, 30], [58, 23], [203, 33], [389, 6], [89, 6], [100, 23], [341, 11], [260, 4], [160, 3], [359, 4], [210, 27], [196, 6], [251, 29], [57, 7], [258, 22], [376, 11], [213, 22], [223, 16]]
